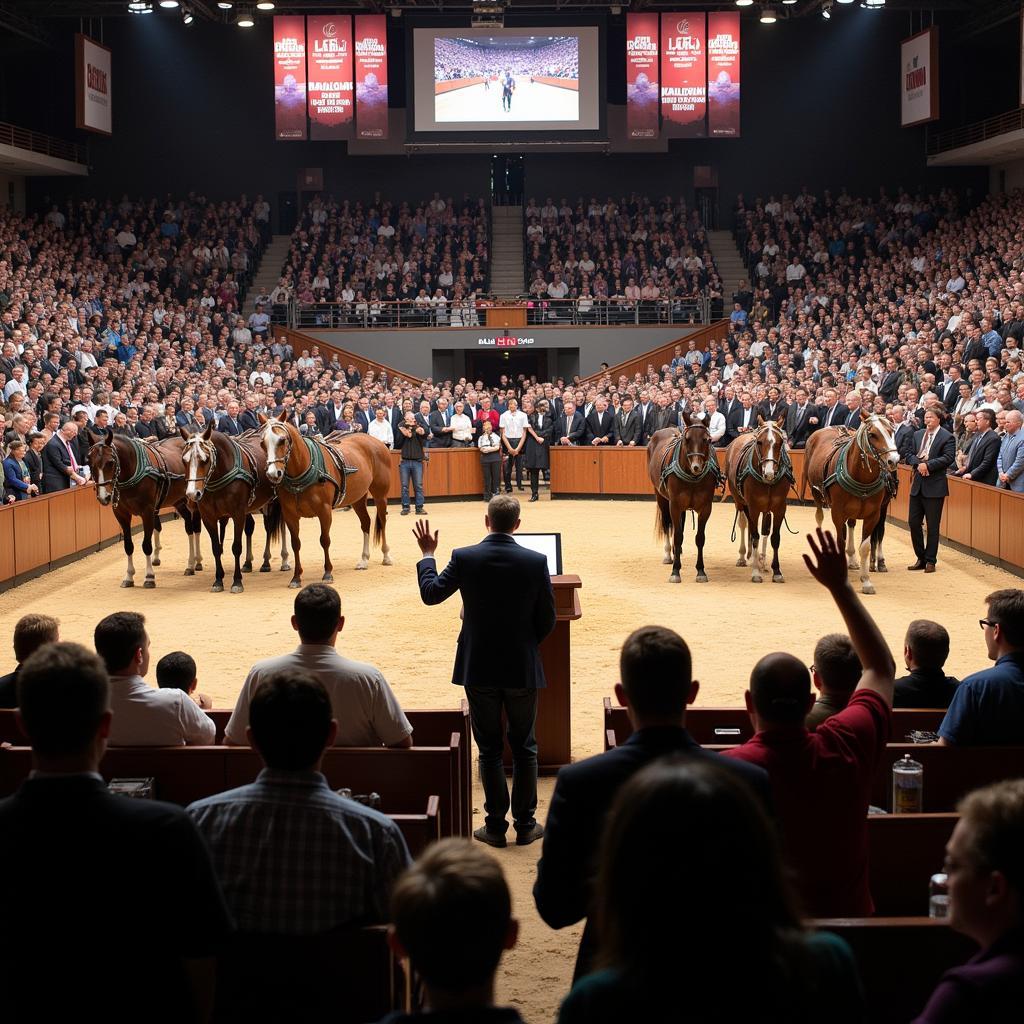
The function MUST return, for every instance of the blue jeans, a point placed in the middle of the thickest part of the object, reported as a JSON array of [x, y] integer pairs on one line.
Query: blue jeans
[[411, 468], [520, 706]]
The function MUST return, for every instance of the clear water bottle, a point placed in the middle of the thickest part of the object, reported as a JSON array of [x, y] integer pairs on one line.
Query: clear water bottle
[[938, 895], [907, 786]]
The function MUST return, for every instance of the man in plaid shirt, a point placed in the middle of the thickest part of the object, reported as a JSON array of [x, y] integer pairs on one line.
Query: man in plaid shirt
[[292, 856]]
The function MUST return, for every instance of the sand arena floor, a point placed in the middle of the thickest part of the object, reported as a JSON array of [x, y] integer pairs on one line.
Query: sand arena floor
[[729, 623]]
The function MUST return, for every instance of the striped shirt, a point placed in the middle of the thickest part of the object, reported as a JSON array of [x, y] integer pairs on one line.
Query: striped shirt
[[294, 858]]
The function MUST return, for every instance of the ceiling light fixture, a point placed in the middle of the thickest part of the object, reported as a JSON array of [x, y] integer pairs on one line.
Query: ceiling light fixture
[[187, 16], [826, 10], [265, 5], [140, 7], [744, 3], [768, 16], [225, 6], [245, 19], [169, 4], [872, 5]]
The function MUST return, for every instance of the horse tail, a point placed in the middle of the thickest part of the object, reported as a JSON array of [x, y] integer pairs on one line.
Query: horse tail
[[663, 520], [273, 520], [379, 510]]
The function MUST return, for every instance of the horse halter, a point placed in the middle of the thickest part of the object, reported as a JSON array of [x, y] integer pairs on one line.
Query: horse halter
[[867, 450], [115, 491], [278, 429], [195, 443], [685, 433], [761, 432]]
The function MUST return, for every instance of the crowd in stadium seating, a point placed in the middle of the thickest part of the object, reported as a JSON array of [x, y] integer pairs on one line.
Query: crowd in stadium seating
[[387, 262], [623, 260], [460, 58]]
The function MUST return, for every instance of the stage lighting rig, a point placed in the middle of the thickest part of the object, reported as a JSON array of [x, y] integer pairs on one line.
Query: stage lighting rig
[[488, 14]]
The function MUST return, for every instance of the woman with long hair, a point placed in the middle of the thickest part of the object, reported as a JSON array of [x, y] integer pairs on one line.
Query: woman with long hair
[[696, 919]]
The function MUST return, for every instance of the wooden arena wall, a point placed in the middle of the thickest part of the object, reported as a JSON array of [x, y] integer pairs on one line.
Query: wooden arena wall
[[451, 84]]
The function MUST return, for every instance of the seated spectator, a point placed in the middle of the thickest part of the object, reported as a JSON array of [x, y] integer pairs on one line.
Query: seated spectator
[[686, 842], [366, 709], [988, 706], [835, 674], [30, 633], [985, 865], [452, 919], [656, 685], [821, 780], [177, 671], [925, 651], [94, 878], [144, 716], [293, 857]]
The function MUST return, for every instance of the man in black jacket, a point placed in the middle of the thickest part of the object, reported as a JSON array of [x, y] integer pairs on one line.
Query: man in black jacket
[[656, 686], [61, 463], [439, 425], [925, 651], [802, 419], [629, 428], [934, 453], [984, 453], [570, 426], [509, 681], [600, 425]]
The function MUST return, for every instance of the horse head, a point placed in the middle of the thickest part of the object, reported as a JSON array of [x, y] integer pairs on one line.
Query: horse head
[[276, 439], [696, 444], [769, 444], [199, 451], [104, 464], [877, 435]]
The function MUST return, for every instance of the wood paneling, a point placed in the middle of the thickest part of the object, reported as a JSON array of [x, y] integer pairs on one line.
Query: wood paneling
[[957, 513], [900, 506], [62, 527], [298, 341], [435, 474], [575, 471], [465, 475], [31, 535], [109, 527], [7, 570], [1011, 528], [624, 471], [87, 518], [985, 519]]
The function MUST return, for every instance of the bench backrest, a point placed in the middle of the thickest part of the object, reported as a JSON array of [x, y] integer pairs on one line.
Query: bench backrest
[[904, 851]]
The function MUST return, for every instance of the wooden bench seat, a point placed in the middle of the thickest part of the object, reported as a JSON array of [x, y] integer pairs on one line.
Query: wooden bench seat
[[904, 851]]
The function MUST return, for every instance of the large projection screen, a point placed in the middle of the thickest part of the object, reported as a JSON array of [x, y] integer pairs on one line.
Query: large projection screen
[[512, 79]]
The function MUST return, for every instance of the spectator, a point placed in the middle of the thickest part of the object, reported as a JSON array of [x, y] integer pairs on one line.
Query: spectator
[[17, 477], [294, 858], [452, 919], [62, 466], [988, 706], [687, 842], [490, 460], [380, 427], [30, 633], [143, 716], [821, 780], [985, 865], [835, 674], [656, 685], [118, 875], [925, 651], [410, 466], [177, 671], [366, 709]]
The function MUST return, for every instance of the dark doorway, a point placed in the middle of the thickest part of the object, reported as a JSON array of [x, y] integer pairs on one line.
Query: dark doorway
[[489, 366], [507, 179], [287, 212]]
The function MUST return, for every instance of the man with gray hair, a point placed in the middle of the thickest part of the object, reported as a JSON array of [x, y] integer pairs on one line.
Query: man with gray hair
[[1010, 464]]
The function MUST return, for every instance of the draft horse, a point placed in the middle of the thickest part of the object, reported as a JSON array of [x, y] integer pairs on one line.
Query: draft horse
[[139, 478], [685, 475], [853, 473], [759, 471], [227, 479], [311, 478]]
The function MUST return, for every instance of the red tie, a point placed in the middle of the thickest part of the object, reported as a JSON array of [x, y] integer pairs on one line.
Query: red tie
[[74, 464]]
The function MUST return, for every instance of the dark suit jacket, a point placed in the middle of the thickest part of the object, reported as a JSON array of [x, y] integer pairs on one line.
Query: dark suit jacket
[[574, 430], [941, 456], [646, 421], [890, 385], [35, 468], [144, 430], [56, 462], [770, 412], [437, 424], [839, 415], [606, 428], [583, 795], [734, 421], [363, 418], [981, 463], [249, 420], [497, 565], [9, 690], [226, 425], [667, 417], [631, 429], [798, 428], [904, 438]]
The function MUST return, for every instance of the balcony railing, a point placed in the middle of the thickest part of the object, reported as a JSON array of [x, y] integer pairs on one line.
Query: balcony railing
[[968, 134], [37, 142]]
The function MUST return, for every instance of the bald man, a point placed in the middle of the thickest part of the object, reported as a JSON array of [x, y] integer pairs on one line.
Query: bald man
[[821, 780]]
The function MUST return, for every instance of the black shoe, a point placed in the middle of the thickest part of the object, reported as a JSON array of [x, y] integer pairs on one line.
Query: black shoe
[[530, 835], [490, 838], [487, 497], [508, 490], [520, 487], [930, 567], [916, 566], [405, 511], [533, 497], [421, 511]]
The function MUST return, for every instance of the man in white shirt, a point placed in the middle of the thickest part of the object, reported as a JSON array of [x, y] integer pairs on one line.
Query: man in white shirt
[[362, 702], [715, 420], [380, 427], [512, 425], [144, 716]]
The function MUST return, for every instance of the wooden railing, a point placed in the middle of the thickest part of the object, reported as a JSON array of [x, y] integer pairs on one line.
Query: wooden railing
[[37, 142], [300, 340]]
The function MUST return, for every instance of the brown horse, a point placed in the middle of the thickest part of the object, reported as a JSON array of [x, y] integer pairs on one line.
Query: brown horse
[[759, 472], [685, 474], [227, 479], [853, 473], [311, 478], [139, 478]]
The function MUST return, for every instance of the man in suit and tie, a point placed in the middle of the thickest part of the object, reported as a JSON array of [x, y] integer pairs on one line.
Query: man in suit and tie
[[440, 424], [248, 418], [934, 454], [61, 464], [903, 434], [949, 389], [983, 456], [833, 412], [570, 426], [185, 417], [851, 417], [498, 569], [629, 428], [801, 420], [1011, 454], [228, 423], [889, 386], [773, 405], [665, 415], [600, 425], [329, 413], [646, 410], [728, 403], [742, 420], [363, 415]]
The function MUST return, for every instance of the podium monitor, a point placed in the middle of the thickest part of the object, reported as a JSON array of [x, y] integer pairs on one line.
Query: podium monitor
[[548, 544]]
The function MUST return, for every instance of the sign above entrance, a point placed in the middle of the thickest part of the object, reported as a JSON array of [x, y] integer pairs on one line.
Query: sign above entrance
[[505, 341]]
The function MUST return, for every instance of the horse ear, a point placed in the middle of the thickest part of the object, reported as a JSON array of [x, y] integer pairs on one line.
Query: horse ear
[[94, 438], [262, 418], [208, 432], [283, 416], [184, 433], [686, 417], [864, 415], [760, 420], [781, 419], [109, 436]]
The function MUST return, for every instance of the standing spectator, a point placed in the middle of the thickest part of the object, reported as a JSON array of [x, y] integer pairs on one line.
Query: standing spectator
[[34, 458], [821, 780], [835, 673], [988, 706], [490, 460], [462, 428], [119, 875], [539, 431], [380, 428], [439, 423], [410, 467], [509, 683], [925, 650], [935, 454], [367, 711], [982, 460], [513, 438], [30, 633], [17, 477], [61, 466], [1011, 454]]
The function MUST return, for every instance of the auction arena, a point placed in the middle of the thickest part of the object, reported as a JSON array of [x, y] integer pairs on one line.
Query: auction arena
[[728, 623]]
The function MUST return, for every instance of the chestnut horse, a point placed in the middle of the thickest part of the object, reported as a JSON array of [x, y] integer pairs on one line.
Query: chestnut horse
[[139, 478], [685, 475], [311, 478], [759, 472], [227, 479], [854, 474]]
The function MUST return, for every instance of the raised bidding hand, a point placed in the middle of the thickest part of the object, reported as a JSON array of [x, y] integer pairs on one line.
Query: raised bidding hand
[[426, 541], [829, 566]]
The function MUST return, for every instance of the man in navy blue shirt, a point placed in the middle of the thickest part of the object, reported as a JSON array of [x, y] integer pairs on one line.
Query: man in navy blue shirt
[[988, 707]]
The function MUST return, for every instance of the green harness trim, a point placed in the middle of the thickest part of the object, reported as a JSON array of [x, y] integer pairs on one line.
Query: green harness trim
[[143, 467], [238, 471], [317, 472], [671, 466], [748, 469], [841, 476]]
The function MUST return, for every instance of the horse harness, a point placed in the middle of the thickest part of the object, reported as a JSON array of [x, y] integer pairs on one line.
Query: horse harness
[[840, 475], [317, 472], [748, 470], [243, 467], [671, 464], [144, 469]]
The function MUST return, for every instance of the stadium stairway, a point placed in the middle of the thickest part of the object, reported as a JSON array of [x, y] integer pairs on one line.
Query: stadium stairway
[[268, 273], [729, 262], [507, 266]]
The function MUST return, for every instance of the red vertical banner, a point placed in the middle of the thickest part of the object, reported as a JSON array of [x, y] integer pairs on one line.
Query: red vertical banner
[[329, 80], [684, 78], [371, 49], [642, 76], [724, 75], [289, 77]]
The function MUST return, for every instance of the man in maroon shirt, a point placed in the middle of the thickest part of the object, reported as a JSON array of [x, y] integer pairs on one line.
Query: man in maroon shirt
[[821, 780]]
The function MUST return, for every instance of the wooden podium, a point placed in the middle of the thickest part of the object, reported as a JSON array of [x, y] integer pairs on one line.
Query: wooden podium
[[554, 707]]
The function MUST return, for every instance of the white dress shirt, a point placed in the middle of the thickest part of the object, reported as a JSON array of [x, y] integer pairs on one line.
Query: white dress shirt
[[462, 427], [513, 423], [147, 717], [716, 426], [381, 429]]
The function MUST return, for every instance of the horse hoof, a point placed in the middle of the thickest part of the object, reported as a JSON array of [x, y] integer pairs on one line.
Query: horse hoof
[[867, 589], [327, 578], [362, 565], [237, 588], [674, 579], [127, 583], [294, 584], [156, 561], [387, 560], [881, 567], [265, 567], [189, 572], [247, 567], [778, 578], [149, 585], [741, 561], [702, 578], [285, 567], [871, 566], [199, 566], [753, 579], [666, 560], [217, 588]]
